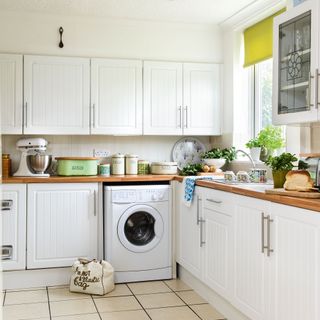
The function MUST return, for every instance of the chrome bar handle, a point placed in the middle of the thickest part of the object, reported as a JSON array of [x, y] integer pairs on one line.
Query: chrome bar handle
[[214, 201], [316, 90], [180, 117], [263, 218], [202, 221], [309, 104], [198, 210], [26, 115], [269, 250]]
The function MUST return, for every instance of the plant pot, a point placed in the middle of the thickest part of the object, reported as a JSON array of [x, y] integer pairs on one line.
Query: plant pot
[[265, 154], [279, 178], [255, 153]]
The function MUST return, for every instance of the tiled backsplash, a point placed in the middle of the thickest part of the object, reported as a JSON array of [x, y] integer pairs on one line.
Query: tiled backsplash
[[152, 148]]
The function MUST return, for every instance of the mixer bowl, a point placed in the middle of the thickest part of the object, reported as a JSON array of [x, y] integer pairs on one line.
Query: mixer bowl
[[39, 163]]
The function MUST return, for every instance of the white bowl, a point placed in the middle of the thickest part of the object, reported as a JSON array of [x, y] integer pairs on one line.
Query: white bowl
[[218, 163]]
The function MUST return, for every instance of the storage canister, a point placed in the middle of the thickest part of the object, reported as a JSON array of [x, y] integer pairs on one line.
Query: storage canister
[[77, 166], [143, 167], [104, 169], [117, 164], [164, 167], [131, 164], [6, 165]]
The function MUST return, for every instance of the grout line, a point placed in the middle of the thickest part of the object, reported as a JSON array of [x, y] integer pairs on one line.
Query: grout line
[[96, 307], [4, 297], [49, 303], [139, 302]]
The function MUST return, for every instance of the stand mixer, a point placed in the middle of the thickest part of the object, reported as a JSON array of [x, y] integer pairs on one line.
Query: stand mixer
[[33, 162]]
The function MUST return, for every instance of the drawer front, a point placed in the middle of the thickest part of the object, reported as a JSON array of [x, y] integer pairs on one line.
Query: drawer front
[[219, 201]]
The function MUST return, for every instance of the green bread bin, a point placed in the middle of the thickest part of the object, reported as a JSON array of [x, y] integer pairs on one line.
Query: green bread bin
[[77, 166]]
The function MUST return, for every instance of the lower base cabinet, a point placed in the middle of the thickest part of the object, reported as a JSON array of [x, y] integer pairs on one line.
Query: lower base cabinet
[[62, 224], [262, 257]]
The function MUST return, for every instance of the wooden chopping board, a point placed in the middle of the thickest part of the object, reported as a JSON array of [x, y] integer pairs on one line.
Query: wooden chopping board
[[298, 194], [218, 174]]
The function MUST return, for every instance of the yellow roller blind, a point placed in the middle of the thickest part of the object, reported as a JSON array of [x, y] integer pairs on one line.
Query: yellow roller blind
[[258, 40]]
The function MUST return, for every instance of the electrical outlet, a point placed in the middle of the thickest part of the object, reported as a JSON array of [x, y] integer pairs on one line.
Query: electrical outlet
[[101, 153]]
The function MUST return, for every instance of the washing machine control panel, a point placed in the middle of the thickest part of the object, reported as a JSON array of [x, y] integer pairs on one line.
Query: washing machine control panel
[[134, 196]]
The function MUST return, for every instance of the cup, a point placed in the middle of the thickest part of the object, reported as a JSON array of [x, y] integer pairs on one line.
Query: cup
[[243, 176], [258, 175], [104, 169], [230, 176]]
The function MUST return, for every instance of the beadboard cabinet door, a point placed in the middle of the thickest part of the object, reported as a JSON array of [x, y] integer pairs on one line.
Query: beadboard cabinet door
[[62, 224], [202, 84], [116, 97], [56, 95], [162, 98], [11, 93]]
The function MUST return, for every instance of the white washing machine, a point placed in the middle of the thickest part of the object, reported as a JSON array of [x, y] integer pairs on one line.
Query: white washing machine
[[137, 232]]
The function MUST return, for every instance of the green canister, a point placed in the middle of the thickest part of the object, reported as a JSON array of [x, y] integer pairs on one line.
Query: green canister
[[143, 167]]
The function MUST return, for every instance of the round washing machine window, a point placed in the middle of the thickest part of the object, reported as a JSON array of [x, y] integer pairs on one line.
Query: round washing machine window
[[140, 228]]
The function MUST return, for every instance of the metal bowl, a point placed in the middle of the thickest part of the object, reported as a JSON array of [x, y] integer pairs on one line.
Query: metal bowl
[[39, 163]]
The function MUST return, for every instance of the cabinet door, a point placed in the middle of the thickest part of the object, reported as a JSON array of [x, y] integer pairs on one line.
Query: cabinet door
[[217, 255], [295, 62], [295, 263], [56, 95], [116, 88], [62, 224], [162, 98], [11, 93], [13, 219], [249, 261], [189, 251], [202, 99]]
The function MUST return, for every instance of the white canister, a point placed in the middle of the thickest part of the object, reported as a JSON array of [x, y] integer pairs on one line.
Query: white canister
[[117, 164], [131, 164]]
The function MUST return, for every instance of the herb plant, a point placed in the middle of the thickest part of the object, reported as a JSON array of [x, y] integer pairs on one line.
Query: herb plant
[[216, 153], [284, 162], [253, 143], [302, 165], [271, 138], [191, 169]]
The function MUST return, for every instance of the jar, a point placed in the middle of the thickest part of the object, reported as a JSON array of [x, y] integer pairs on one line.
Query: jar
[[6, 165], [104, 169], [131, 164], [143, 167], [117, 164]]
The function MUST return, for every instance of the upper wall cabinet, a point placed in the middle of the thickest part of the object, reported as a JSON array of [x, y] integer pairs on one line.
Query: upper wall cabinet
[[11, 93], [116, 96], [56, 95], [181, 98], [296, 64]]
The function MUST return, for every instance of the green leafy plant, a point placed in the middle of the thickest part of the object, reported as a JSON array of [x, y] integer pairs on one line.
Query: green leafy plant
[[216, 153], [302, 165], [191, 169], [271, 138], [284, 162], [253, 143]]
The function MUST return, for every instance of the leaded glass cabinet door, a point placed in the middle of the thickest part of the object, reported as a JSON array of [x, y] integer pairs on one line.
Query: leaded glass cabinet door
[[295, 63]]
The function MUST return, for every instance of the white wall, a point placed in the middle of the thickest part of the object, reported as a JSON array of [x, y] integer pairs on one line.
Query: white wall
[[100, 37]]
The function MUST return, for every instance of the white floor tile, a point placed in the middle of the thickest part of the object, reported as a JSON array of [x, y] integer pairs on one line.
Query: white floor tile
[[117, 304], [26, 311], [72, 307], [20, 297]]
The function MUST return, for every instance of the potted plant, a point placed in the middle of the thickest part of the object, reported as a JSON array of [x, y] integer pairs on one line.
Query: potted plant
[[218, 157], [270, 139], [255, 148], [280, 166]]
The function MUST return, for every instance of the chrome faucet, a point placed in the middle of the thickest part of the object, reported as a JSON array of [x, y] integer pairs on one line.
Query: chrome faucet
[[248, 155]]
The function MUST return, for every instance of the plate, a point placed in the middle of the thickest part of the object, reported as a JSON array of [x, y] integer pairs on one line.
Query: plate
[[187, 151]]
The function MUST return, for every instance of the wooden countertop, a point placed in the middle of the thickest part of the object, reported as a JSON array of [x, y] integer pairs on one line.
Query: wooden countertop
[[84, 179], [311, 204]]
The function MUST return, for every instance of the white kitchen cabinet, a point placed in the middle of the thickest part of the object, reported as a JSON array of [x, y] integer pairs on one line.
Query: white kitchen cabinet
[[11, 93], [182, 98], [189, 232], [162, 98], [201, 99], [62, 224], [13, 226], [250, 263], [296, 65], [56, 95], [116, 97], [295, 264]]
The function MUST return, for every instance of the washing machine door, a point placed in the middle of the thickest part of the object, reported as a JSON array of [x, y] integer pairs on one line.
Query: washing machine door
[[140, 228]]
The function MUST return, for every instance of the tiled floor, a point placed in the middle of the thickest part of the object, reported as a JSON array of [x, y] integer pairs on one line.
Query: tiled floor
[[157, 300]]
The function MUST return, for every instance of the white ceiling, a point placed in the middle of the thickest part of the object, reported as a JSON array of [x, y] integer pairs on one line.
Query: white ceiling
[[189, 11]]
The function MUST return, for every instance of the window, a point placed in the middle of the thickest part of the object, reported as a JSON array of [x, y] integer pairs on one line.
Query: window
[[262, 95]]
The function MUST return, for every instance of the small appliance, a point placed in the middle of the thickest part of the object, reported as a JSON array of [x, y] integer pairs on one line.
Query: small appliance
[[313, 161], [34, 162]]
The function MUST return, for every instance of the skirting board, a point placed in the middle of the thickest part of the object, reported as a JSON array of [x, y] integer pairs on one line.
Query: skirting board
[[219, 303], [35, 278]]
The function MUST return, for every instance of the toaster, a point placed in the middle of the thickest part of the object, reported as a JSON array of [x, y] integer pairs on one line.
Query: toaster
[[313, 160]]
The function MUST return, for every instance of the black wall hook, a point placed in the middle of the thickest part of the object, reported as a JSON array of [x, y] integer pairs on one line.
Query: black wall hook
[[61, 45]]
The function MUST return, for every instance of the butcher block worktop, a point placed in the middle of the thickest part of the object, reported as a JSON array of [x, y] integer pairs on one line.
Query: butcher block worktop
[[311, 204]]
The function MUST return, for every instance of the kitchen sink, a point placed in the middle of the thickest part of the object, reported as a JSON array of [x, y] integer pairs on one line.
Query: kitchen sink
[[247, 185]]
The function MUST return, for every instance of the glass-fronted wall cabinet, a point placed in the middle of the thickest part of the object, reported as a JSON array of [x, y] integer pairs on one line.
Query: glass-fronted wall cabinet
[[295, 89]]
